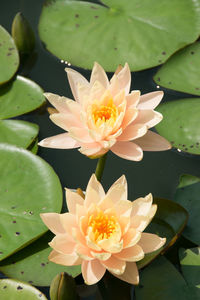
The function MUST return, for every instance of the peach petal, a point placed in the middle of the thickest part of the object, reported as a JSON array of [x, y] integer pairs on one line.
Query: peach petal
[[78, 236], [63, 243], [101, 255], [133, 132], [95, 185], [80, 134], [74, 79], [124, 223], [134, 253], [151, 242], [114, 265], [128, 150], [106, 203], [60, 103], [72, 198], [83, 252], [130, 274], [91, 196], [65, 120], [150, 118], [98, 74], [117, 192], [60, 141], [68, 221], [52, 221], [114, 85], [150, 100], [92, 271], [142, 206], [124, 77], [123, 208], [93, 152], [83, 224], [119, 98], [96, 92], [92, 244], [130, 116], [121, 181], [110, 245], [133, 99], [152, 141], [65, 259], [139, 222], [80, 211], [131, 237]]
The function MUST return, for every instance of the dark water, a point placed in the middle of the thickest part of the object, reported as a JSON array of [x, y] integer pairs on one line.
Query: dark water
[[157, 173]]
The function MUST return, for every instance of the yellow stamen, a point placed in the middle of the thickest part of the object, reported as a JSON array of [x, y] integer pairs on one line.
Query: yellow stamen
[[104, 113]]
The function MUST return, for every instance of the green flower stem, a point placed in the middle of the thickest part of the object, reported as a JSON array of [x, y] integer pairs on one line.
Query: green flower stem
[[100, 167]]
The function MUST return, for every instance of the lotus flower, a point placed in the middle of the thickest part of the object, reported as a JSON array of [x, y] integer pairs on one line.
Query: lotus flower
[[105, 116], [103, 231]]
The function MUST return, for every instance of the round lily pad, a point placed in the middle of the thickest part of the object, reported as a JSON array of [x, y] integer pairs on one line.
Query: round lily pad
[[187, 179], [34, 146], [17, 132], [28, 187], [180, 124], [189, 197], [182, 71], [143, 33], [31, 264], [20, 96], [11, 289], [9, 57]]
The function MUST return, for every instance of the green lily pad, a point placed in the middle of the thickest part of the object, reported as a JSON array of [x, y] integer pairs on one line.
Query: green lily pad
[[34, 146], [31, 264], [161, 281], [17, 132], [11, 289], [118, 31], [9, 57], [182, 71], [180, 124], [19, 97], [187, 179], [28, 186], [189, 198], [169, 221]]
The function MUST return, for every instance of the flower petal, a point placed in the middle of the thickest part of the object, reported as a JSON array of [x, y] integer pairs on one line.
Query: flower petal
[[134, 253], [60, 141], [152, 141], [150, 100], [95, 152], [65, 120], [52, 221], [128, 150], [63, 243], [118, 191], [101, 255], [114, 265], [80, 134], [60, 103], [68, 221], [110, 245], [142, 206], [98, 74], [96, 185], [74, 79], [83, 252], [133, 132], [124, 77], [133, 99], [92, 271], [72, 198], [65, 259], [131, 237], [130, 116], [130, 274], [91, 196], [151, 242], [150, 118]]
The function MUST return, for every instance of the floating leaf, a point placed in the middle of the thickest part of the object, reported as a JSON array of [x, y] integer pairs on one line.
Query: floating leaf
[[187, 179], [180, 124], [31, 264], [63, 287], [189, 198], [142, 33], [18, 290], [28, 186], [34, 147], [17, 132], [182, 71], [9, 57], [19, 97], [169, 221], [161, 281]]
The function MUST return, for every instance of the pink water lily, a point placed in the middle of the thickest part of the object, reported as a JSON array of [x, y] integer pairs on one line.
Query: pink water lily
[[103, 232], [106, 116]]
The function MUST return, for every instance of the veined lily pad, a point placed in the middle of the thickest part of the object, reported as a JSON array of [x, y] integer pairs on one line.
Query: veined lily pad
[[11, 289], [169, 221], [17, 132], [180, 124], [189, 198], [28, 186], [19, 97], [9, 57], [182, 71], [31, 264], [142, 33], [161, 281]]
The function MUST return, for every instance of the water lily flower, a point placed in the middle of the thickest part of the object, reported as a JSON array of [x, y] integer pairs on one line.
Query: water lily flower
[[103, 232], [106, 116]]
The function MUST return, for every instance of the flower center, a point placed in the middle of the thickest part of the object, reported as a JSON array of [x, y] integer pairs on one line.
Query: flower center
[[104, 113], [103, 226]]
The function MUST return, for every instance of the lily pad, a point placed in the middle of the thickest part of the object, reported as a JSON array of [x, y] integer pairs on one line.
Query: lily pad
[[182, 71], [180, 124], [34, 147], [116, 32], [11, 289], [17, 132], [20, 96], [9, 57], [189, 198], [169, 221], [187, 179], [28, 186], [31, 264], [161, 281]]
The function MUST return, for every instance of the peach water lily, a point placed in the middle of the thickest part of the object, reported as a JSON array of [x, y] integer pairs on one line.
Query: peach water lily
[[106, 116], [103, 232]]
